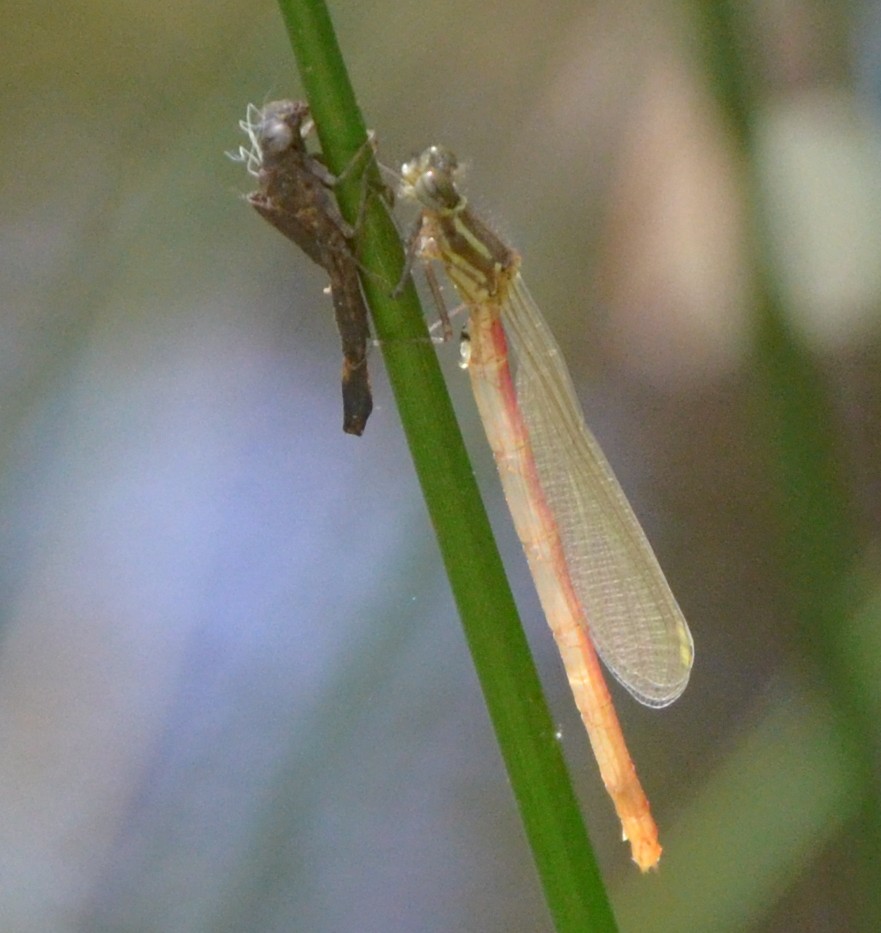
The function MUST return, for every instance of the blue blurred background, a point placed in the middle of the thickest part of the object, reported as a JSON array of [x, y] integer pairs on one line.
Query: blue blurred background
[[233, 690]]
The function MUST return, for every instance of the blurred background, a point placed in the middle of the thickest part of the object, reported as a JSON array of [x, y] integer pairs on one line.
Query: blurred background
[[234, 694]]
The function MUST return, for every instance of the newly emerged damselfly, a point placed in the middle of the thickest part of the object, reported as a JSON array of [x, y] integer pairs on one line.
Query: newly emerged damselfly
[[597, 577]]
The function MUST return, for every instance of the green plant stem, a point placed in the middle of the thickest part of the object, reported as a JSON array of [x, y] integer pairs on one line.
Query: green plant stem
[[566, 865]]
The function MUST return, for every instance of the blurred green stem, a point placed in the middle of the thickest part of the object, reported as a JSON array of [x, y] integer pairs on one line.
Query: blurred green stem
[[818, 544], [524, 729]]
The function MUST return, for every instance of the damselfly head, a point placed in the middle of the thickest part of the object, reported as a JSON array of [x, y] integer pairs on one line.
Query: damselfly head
[[430, 178]]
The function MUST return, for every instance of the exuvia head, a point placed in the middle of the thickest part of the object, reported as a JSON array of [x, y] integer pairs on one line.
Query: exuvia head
[[273, 131]]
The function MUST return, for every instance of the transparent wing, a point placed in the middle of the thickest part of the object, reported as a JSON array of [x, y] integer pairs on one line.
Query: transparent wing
[[635, 622]]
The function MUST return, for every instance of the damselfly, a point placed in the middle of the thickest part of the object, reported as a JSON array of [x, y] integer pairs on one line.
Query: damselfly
[[598, 580]]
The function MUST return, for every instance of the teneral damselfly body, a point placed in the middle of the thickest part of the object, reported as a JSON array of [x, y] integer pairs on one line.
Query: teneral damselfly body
[[598, 580]]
